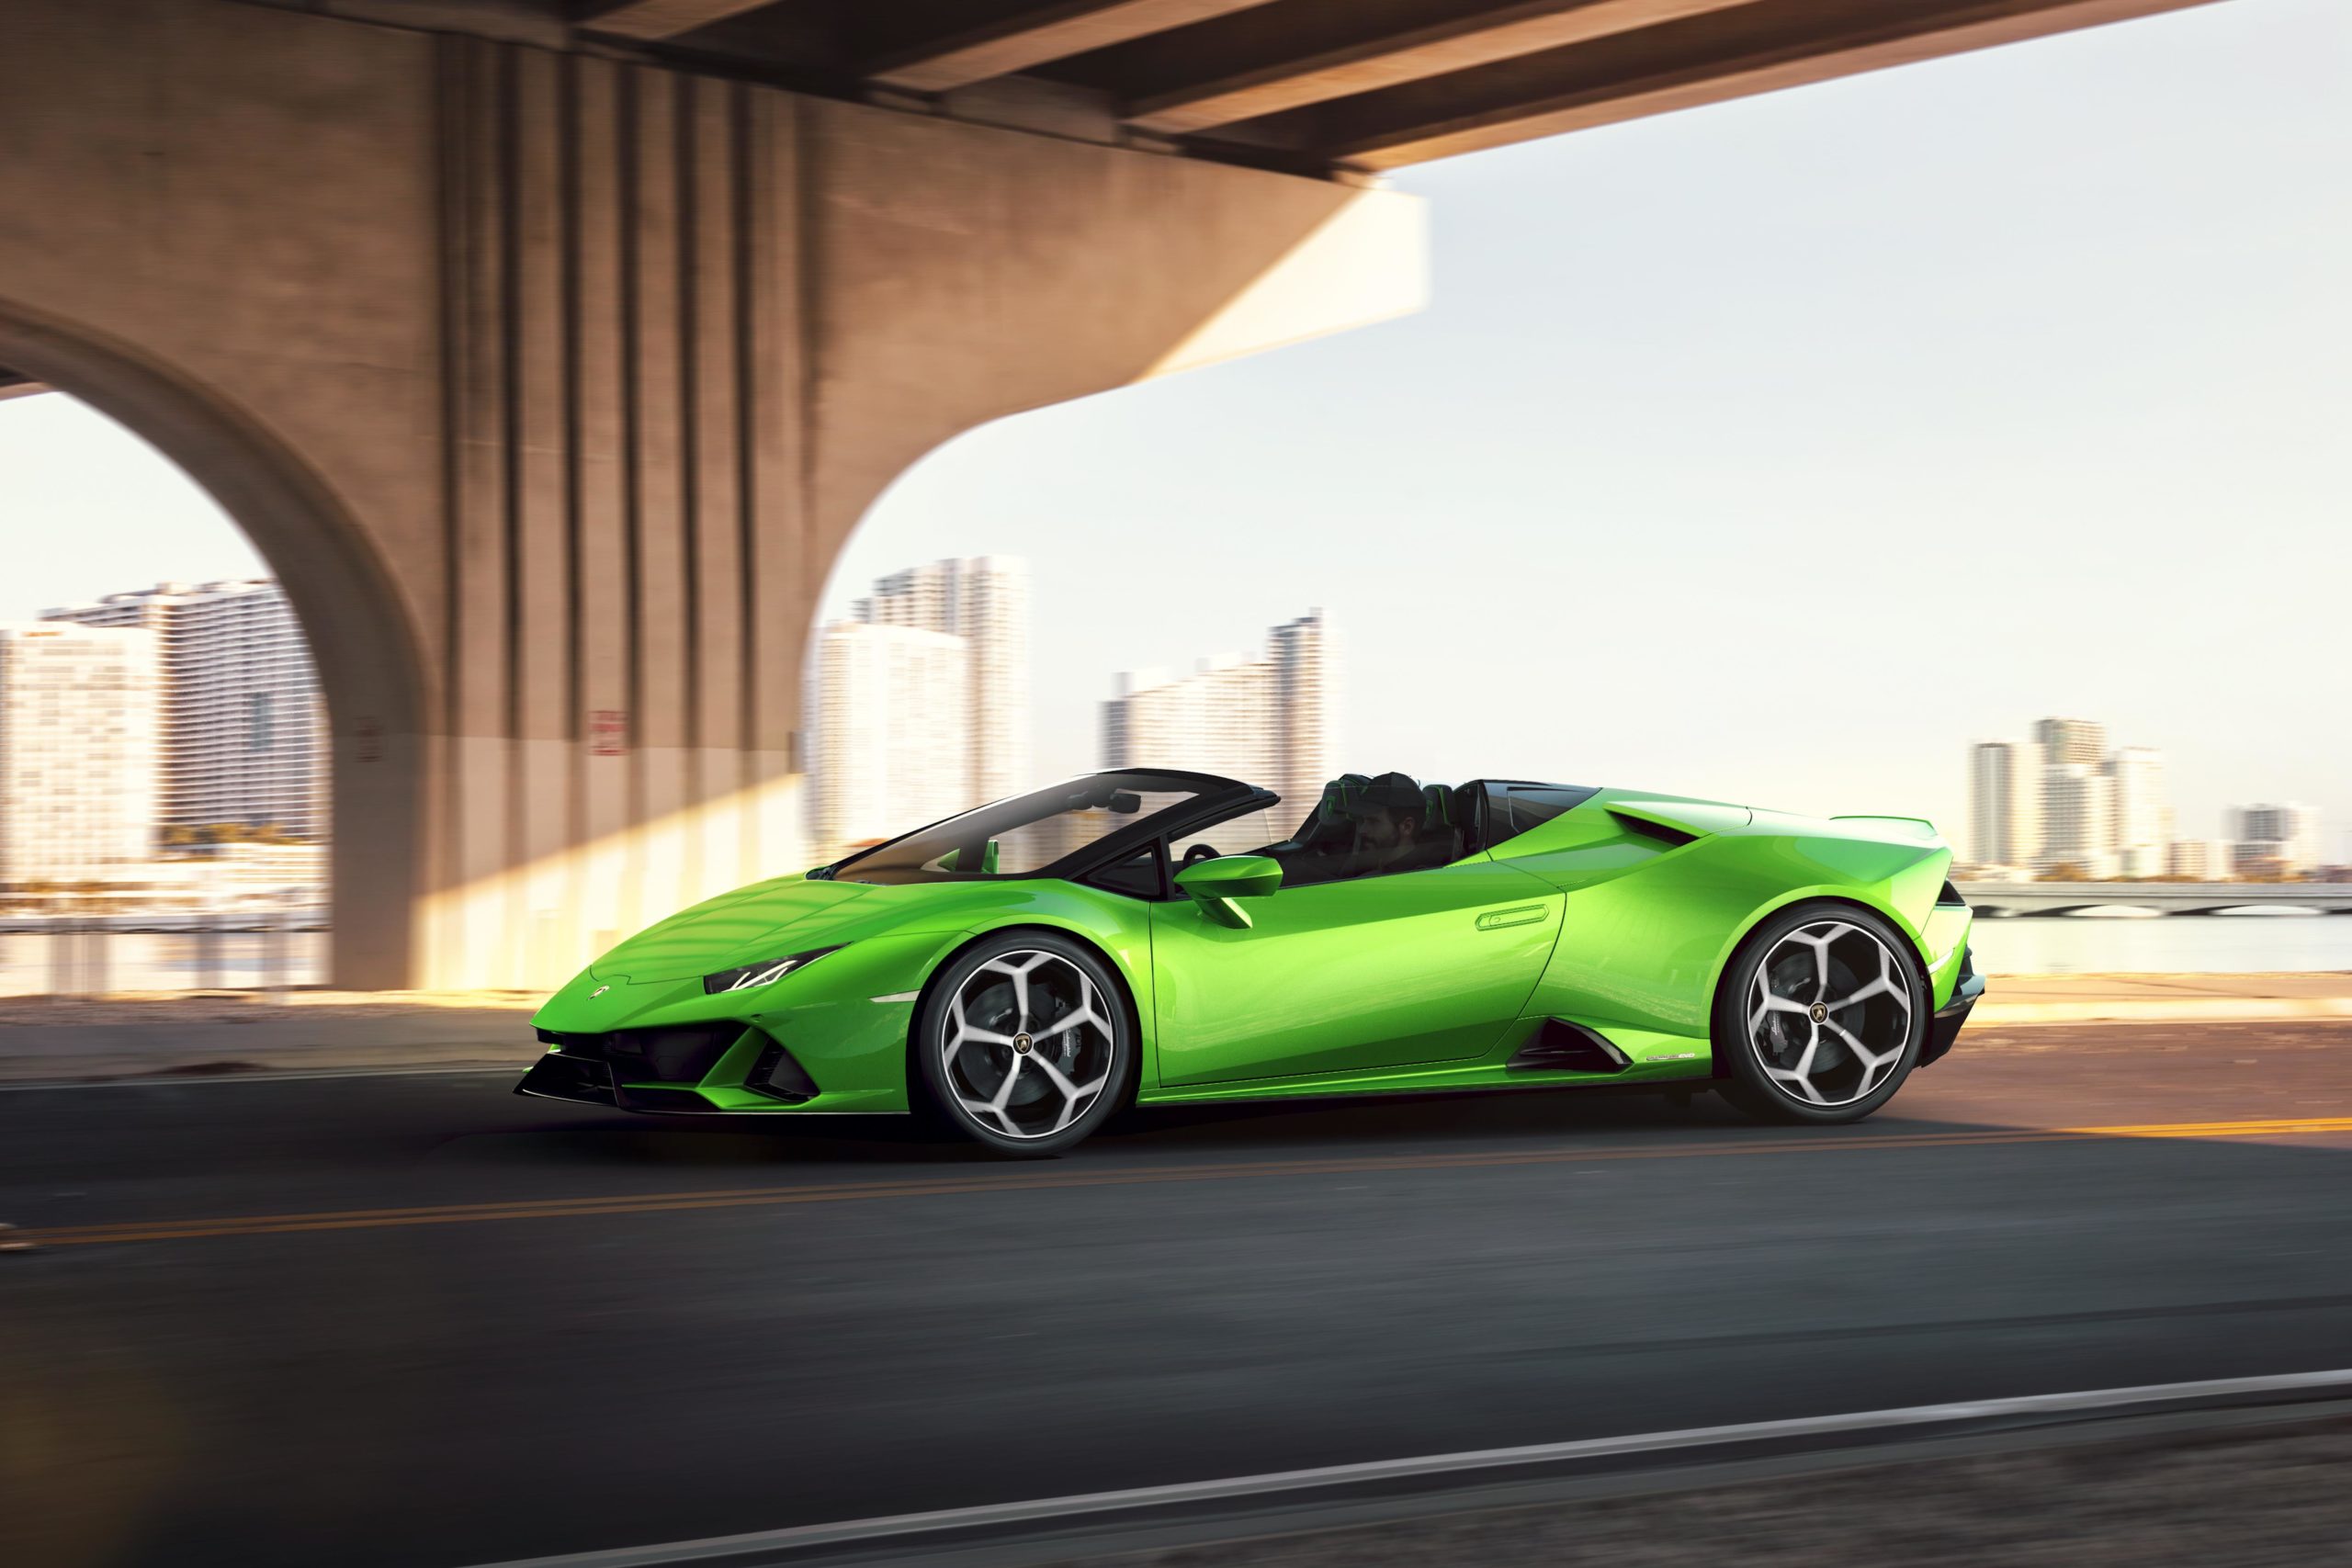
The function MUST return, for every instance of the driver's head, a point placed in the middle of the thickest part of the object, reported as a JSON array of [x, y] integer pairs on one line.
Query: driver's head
[[1386, 812]]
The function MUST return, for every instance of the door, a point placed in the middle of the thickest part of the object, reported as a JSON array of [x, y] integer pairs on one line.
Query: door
[[1379, 971]]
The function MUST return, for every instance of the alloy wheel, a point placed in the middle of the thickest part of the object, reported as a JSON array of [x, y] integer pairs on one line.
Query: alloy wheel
[[1027, 1043], [1829, 1013]]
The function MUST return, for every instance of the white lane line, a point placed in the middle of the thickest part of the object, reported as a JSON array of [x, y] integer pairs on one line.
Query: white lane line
[[856, 1531]]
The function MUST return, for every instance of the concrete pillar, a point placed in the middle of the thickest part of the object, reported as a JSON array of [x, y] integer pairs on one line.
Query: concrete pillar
[[551, 385]]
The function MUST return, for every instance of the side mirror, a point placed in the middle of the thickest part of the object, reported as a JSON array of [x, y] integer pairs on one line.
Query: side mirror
[[1213, 885]]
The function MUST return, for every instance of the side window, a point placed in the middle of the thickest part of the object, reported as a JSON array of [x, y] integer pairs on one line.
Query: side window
[[1246, 834], [1513, 809], [1138, 875]]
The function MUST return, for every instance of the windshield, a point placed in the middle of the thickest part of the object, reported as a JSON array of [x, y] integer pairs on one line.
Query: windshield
[[1025, 835]]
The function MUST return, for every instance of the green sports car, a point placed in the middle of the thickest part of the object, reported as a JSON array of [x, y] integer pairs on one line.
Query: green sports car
[[1024, 970]]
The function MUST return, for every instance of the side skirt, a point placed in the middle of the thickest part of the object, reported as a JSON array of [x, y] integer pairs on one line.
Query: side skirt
[[1487, 1075]]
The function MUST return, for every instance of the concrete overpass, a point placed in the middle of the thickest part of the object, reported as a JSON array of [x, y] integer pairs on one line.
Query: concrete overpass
[[2166, 897], [550, 351]]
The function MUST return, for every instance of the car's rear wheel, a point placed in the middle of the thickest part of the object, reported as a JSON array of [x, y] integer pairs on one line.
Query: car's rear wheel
[[1024, 1044], [1821, 1016]]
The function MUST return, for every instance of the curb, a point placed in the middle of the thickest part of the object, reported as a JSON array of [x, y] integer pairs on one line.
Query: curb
[[1340, 1496]]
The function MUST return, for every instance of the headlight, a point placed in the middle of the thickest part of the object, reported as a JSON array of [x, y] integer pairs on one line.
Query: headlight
[[767, 972]]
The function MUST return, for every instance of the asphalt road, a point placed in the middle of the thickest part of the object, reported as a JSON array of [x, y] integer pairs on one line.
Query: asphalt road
[[486, 1328]]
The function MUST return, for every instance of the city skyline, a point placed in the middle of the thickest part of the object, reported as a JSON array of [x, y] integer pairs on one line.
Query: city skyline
[[1272, 720], [1626, 414], [984, 600], [917, 700], [244, 727], [890, 726], [2063, 804], [162, 748]]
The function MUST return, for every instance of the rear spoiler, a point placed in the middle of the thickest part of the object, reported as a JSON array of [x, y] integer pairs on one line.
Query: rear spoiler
[[1912, 826]]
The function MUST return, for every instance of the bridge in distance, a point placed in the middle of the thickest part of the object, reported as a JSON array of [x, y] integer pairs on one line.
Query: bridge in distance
[[2166, 898]]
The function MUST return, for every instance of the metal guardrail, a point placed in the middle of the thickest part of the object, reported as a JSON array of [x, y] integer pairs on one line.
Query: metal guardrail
[[86, 954], [2166, 897]]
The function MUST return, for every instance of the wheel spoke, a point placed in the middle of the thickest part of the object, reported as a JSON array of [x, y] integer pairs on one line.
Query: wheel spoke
[[1004, 1089], [1876, 988], [1871, 1061], [1074, 1099], [1770, 1001]]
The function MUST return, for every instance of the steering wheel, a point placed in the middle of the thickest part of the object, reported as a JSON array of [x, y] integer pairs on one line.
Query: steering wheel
[[1199, 852]]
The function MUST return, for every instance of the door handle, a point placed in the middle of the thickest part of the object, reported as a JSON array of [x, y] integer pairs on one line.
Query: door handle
[[1496, 920]]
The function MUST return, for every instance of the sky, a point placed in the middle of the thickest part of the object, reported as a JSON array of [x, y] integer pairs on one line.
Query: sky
[[1773, 450]]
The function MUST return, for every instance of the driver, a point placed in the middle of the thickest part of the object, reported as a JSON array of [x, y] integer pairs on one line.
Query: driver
[[1386, 813]]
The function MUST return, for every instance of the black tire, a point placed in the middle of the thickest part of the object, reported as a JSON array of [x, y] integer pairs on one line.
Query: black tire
[[1096, 1048], [1748, 1083]]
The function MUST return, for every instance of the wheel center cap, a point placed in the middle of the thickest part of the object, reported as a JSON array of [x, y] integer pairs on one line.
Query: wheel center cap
[[1818, 1012], [1020, 1044]]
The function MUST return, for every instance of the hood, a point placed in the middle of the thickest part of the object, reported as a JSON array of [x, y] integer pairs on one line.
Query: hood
[[742, 926]]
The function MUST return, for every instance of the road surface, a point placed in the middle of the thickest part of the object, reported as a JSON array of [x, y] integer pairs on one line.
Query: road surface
[[414, 1320]]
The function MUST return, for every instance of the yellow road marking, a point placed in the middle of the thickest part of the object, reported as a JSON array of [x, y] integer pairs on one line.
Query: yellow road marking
[[2291, 1127], [1010, 1181]]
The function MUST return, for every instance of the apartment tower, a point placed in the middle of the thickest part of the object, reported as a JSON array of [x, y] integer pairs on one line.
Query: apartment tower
[[2005, 815], [1271, 720], [79, 724], [984, 600], [243, 726]]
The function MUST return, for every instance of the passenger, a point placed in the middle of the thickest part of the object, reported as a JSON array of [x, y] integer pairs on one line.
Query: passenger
[[1387, 815]]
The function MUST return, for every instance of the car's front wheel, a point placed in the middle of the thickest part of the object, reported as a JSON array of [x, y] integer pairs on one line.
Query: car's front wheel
[[1024, 1042], [1820, 1016]]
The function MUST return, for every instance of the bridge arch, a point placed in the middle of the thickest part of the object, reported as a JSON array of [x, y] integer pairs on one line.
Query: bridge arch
[[362, 640]]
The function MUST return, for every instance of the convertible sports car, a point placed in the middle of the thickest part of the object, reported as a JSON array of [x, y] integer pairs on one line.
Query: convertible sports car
[[1024, 970]]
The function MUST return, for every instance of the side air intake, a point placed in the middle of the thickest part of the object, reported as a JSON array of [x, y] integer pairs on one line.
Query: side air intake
[[1648, 828], [1564, 1047]]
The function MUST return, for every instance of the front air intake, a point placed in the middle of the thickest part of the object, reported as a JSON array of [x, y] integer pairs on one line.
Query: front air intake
[[778, 1077], [679, 1054]]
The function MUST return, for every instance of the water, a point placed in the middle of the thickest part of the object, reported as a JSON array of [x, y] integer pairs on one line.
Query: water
[[2076, 944]]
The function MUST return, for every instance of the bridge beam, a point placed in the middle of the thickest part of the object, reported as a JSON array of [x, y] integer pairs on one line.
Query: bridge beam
[[661, 18], [1758, 48], [1297, 58], [1035, 35]]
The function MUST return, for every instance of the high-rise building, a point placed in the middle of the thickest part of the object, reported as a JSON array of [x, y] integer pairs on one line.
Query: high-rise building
[[1219, 719], [2198, 860], [2005, 804], [2063, 740], [2078, 819], [2138, 812], [1272, 720], [892, 705], [1305, 655], [79, 720], [244, 727], [985, 600], [2281, 838]]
